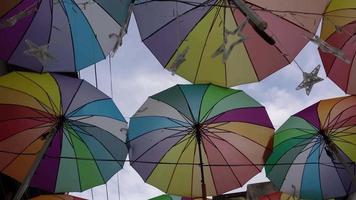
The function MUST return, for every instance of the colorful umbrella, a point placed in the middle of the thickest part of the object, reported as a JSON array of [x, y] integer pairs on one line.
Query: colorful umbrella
[[63, 131], [336, 16], [171, 197], [314, 151], [198, 140], [278, 196], [341, 68], [212, 41], [60, 35], [56, 197]]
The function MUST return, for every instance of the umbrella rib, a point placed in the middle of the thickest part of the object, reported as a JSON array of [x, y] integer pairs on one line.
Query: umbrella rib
[[45, 107], [300, 144], [91, 28], [24, 32], [235, 133], [187, 103], [222, 156], [148, 149], [20, 154], [90, 152], [53, 107], [327, 119], [206, 39], [190, 140], [349, 77], [73, 97], [205, 117], [166, 24], [335, 121], [335, 132], [32, 128], [102, 144], [222, 139], [243, 43], [179, 112], [300, 26]]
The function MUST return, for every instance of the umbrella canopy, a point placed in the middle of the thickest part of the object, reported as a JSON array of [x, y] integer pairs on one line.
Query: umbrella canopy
[[212, 40], [194, 139], [60, 35], [83, 128], [171, 197], [278, 196], [341, 72], [57, 197], [314, 151], [336, 15]]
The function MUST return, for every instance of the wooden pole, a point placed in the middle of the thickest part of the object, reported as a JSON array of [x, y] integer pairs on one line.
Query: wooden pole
[[198, 136], [26, 182]]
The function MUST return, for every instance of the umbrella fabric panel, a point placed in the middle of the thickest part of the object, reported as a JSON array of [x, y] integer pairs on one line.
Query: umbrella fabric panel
[[345, 41], [337, 14]]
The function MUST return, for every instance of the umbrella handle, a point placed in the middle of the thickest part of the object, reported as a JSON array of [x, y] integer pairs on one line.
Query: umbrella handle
[[343, 162], [39, 157], [258, 24]]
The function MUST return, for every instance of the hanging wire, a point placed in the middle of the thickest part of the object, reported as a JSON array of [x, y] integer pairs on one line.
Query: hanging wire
[[111, 80], [107, 192], [96, 76], [118, 185]]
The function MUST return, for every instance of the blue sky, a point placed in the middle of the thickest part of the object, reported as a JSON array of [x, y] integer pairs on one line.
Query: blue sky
[[137, 74]]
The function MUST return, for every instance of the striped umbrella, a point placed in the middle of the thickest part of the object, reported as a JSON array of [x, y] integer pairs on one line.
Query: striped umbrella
[[212, 41], [339, 50], [199, 140], [314, 151], [60, 35], [59, 134], [56, 197]]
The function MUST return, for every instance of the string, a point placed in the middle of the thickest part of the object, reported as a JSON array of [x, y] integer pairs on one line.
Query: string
[[107, 193], [92, 194], [111, 80], [96, 76], [118, 185]]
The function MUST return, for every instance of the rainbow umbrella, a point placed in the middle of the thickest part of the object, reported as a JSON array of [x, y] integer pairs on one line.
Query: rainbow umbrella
[[57, 197], [61, 35], [59, 134], [342, 71], [339, 48], [337, 15], [278, 196], [314, 151], [171, 197], [213, 40], [199, 140]]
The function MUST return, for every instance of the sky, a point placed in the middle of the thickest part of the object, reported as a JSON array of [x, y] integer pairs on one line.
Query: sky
[[136, 75]]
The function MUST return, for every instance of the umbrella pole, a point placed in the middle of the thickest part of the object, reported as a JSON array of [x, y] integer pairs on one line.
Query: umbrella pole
[[39, 157], [343, 162], [332, 146], [203, 187]]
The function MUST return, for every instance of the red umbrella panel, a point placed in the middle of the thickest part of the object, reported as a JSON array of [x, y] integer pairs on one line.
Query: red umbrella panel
[[341, 71]]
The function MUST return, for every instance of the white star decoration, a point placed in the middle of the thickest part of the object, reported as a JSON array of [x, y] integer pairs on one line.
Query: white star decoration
[[39, 52], [178, 61], [224, 48], [12, 21], [309, 79]]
